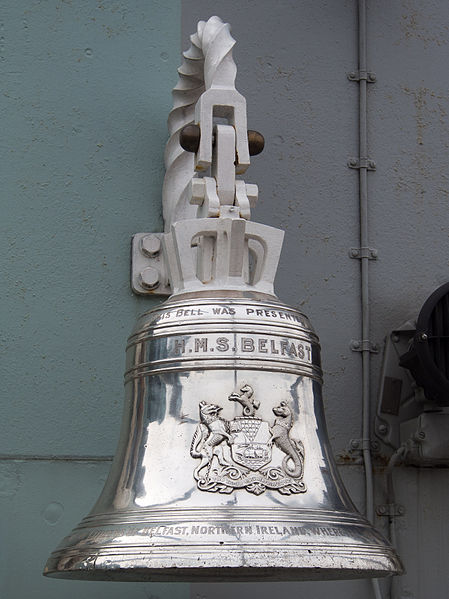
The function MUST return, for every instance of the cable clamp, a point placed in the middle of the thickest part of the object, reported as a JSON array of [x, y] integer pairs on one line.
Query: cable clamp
[[364, 345], [362, 162], [364, 252], [367, 76], [363, 444], [390, 509]]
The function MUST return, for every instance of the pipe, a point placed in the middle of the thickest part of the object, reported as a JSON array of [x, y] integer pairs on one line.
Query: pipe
[[397, 458], [364, 268], [363, 207]]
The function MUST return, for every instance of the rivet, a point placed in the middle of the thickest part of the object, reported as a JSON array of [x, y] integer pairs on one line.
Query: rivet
[[53, 513]]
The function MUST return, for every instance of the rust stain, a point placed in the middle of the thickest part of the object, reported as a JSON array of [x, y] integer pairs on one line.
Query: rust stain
[[417, 24]]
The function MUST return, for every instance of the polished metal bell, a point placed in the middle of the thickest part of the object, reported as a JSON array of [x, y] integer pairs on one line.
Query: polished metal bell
[[224, 469]]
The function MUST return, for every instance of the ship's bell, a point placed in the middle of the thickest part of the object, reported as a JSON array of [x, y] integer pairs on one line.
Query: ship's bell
[[224, 469]]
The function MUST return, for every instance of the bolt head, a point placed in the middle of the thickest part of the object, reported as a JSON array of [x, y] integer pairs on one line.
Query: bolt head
[[189, 138], [149, 278], [356, 344], [256, 142], [150, 245], [382, 429]]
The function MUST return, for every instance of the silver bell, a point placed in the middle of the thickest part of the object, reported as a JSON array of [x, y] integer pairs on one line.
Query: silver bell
[[224, 469]]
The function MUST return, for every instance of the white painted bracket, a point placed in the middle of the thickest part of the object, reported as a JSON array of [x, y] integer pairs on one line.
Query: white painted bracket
[[203, 193], [149, 274], [218, 247], [229, 104], [213, 253]]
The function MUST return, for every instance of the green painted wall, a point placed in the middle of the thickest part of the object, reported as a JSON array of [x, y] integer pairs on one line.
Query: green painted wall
[[86, 94]]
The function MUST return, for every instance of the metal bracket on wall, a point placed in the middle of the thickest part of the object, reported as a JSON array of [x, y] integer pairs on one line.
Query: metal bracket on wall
[[370, 253], [393, 510], [361, 444], [149, 274], [398, 399], [367, 163], [364, 345], [369, 77]]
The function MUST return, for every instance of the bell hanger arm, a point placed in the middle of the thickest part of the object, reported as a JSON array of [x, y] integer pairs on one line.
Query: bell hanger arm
[[205, 91]]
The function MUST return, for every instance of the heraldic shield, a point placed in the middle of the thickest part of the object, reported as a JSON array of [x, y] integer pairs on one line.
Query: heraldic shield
[[238, 454], [251, 445]]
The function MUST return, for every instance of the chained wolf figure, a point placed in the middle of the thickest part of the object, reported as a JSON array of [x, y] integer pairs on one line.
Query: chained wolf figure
[[209, 434], [293, 449]]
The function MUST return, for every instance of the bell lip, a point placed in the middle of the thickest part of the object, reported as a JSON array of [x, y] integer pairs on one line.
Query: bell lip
[[369, 555], [391, 566]]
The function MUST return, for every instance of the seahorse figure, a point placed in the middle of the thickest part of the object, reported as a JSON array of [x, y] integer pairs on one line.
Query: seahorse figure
[[293, 449], [210, 432], [246, 400]]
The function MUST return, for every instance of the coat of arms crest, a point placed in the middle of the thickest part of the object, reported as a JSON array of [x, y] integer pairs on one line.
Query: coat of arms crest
[[237, 454]]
